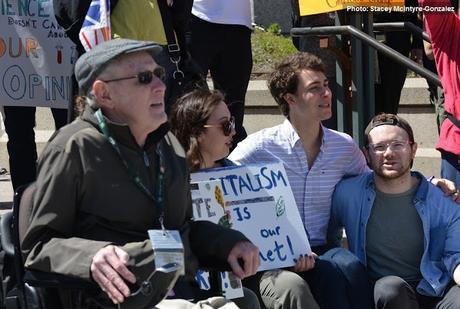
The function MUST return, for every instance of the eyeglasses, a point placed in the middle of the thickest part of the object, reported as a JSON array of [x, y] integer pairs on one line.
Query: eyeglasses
[[227, 126], [143, 78], [394, 146]]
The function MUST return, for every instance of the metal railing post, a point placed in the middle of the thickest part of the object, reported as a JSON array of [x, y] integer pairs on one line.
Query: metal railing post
[[357, 85], [369, 56]]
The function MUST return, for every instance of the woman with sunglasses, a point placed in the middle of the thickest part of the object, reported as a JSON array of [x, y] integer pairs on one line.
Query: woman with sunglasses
[[203, 124]]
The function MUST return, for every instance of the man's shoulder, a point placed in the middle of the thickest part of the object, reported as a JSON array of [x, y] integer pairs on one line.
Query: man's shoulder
[[339, 138], [264, 136], [353, 183], [437, 199], [78, 131], [261, 139]]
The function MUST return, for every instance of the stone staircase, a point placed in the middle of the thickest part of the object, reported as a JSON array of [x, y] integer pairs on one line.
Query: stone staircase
[[262, 112]]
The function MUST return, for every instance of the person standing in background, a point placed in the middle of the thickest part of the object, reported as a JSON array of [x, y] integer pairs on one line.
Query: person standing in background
[[392, 75], [220, 43], [436, 92], [443, 28], [19, 121]]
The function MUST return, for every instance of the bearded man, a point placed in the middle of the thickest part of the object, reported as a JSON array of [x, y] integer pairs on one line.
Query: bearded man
[[401, 227]]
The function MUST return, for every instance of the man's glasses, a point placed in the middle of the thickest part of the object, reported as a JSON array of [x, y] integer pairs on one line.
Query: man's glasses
[[143, 78], [394, 146], [227, 126]]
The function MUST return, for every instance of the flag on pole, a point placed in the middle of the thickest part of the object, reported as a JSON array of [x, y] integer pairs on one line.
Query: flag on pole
[[96, 26]]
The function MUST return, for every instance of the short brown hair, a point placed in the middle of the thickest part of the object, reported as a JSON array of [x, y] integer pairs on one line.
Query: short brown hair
[[285, 78], [189, 115], [388, 119]]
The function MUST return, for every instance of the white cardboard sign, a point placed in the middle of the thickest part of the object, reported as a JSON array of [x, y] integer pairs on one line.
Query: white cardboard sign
[[209, 205], [262, 207], [36, 57]]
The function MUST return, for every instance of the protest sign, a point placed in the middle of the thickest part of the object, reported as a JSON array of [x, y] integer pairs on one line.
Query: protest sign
[[262, 207], [309, 7], [36, 57], [209, 205]]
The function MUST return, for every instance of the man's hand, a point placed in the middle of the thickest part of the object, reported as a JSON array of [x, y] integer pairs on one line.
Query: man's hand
[[109, 270], [448, 187], [249, 254], [305, 263]]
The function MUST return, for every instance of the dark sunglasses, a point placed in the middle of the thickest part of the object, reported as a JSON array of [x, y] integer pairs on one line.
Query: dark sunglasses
[[227, 126], [143, 78]]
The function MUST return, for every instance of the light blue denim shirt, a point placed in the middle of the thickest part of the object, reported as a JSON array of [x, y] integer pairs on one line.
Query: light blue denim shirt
[[351, 207]]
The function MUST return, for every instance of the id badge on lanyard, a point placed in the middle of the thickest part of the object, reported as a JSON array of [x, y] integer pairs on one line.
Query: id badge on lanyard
[[167, 248]]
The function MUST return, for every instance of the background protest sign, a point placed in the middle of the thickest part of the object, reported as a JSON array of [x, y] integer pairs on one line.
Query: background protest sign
[[262, 206], [209, 205], [36, 57], [310, 7]]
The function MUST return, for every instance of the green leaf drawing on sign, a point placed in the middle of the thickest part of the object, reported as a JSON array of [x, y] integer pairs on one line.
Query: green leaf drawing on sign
[[224, 222], [208, 186], [280, 207]]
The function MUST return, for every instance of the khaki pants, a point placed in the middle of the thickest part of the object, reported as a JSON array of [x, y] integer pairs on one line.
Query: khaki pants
[[285, 289]]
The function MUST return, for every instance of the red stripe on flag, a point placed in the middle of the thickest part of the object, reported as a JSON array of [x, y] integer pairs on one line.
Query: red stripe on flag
[[86, 40]]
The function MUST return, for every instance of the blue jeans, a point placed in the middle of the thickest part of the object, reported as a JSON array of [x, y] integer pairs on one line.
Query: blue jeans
[[357, 284], [450, 167]]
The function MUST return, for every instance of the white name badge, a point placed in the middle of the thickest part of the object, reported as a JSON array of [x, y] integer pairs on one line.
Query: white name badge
[[167, 248]]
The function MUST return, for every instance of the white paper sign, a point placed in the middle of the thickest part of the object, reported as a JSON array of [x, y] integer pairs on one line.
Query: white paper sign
[[36, 57], [209, 205], [263, 208]]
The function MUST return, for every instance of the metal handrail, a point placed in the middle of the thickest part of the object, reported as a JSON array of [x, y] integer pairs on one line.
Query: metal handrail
[[401, 26], [367, 39]]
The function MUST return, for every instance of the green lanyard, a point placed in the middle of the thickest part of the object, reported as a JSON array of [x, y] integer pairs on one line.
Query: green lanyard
[[158, 197]]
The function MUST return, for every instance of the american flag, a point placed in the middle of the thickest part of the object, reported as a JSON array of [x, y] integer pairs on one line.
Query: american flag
[[96, 26]]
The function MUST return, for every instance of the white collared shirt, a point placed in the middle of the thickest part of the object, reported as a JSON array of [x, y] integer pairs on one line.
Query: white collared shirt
[[313, 186]]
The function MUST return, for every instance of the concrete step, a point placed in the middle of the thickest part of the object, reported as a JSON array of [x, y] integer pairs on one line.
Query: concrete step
[[262, 112], [414, 93]]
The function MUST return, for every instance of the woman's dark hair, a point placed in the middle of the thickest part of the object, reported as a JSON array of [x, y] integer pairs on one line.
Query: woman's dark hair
[[189, 115]]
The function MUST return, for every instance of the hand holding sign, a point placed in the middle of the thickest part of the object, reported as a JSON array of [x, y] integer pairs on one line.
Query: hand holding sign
[[305, 263]]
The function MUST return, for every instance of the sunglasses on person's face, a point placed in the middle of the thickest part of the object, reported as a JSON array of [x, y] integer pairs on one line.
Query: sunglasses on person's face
[[144, 78], [227, 126]]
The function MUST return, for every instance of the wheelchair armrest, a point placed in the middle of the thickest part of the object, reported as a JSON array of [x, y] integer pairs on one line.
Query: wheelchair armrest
[[5, 233], [42, 279]]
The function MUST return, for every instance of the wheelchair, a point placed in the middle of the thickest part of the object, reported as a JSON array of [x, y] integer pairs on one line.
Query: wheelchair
[[21, 288], [30, 289]]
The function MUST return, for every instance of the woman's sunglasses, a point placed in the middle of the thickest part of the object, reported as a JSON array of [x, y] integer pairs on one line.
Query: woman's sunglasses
[[227, 126], [143, 78]]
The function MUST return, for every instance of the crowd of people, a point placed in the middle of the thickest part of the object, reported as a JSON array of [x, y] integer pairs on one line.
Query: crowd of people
[[122, 168]]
